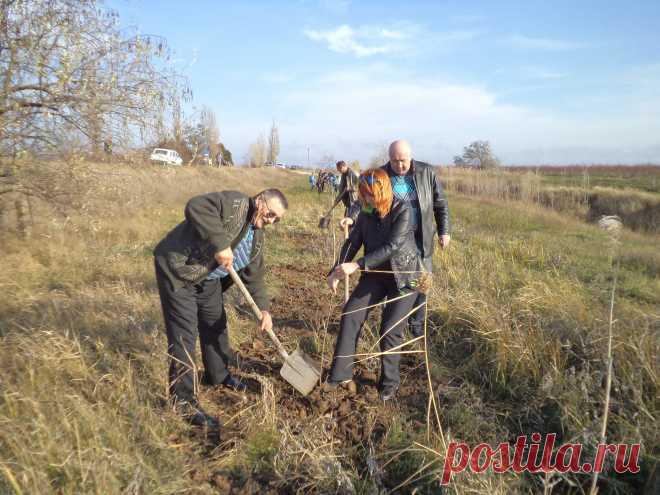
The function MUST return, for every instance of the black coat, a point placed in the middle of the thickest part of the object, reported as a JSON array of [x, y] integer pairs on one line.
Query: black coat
[[388, 242], [214, 221], [348, 188], [432, 204]]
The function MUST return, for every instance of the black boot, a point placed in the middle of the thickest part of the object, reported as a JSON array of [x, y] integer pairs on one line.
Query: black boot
[[234, 383], [195, 415], [416, 330], [388, 392]]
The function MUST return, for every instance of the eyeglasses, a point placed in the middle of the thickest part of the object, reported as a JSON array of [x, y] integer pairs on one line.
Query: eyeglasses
[[270, 214]]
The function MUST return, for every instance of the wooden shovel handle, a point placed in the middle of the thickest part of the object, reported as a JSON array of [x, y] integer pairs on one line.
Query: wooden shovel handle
[[345, 276], [257, 312]]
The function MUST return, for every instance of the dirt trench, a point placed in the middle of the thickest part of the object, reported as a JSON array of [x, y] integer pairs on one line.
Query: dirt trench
[[354, 416]]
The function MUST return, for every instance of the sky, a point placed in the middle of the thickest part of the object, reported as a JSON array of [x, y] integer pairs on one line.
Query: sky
[[544, 82]]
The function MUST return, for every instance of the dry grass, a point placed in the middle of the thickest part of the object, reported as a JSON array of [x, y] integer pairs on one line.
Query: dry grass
[[519, 306], [640, 210]]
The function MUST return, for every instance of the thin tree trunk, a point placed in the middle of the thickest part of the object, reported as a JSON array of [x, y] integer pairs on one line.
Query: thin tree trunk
[[22, 217]]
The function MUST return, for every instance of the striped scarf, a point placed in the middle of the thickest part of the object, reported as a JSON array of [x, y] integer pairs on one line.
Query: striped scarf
[[241, 256]]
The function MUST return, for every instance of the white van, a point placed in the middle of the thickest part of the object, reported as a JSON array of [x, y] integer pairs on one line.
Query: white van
[[165, 157]]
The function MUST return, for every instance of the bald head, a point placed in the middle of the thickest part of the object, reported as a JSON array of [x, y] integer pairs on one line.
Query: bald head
[[400, 156]]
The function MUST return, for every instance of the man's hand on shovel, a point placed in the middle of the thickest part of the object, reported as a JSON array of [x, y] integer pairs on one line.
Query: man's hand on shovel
[[266, 321], [225, 258]]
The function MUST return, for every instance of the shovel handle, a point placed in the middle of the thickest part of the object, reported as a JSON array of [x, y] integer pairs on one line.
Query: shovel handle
[[346, 276], [335, 203], [257, 312]]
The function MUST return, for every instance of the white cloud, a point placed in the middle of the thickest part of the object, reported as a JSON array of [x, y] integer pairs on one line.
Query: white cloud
[[396, 35], [526, 42], [344, 39], [366, 41]]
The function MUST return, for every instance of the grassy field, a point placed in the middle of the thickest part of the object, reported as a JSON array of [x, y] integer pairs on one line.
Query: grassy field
[[518, 320], [630, 192], [640, 177]]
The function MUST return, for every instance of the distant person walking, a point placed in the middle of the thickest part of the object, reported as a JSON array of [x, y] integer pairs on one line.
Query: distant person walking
[[320, 182], [221, 230], [312, 182], [335, 183], [348, 186]]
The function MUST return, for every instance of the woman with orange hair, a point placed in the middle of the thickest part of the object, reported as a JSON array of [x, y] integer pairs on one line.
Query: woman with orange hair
[[388, 269]]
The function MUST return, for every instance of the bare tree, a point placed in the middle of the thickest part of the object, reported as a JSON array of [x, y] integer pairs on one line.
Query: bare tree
[[194, 137], [477, 154], [66, 67], [71, 80], [381, 157], [211, 132], [257, 153], [177, 122], [273, 144], [227, 158]]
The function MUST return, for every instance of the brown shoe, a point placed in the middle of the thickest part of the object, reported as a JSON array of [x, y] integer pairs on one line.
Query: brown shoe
[[332, 385]]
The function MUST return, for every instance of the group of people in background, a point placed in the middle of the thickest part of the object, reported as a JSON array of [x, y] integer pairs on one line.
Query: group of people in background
[[323, 179], [394, 213]]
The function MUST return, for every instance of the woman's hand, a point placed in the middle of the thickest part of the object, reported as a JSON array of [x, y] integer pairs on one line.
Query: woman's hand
[[345, 221], [333, 282], [346, 268], [338, 274]]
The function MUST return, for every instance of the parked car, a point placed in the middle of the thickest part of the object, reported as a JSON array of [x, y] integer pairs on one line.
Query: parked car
[[165, 157]]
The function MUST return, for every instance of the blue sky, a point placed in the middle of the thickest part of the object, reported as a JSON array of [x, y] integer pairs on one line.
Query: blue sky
[[544, 82]]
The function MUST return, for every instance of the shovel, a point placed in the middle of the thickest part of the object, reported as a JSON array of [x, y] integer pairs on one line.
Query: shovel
[[324, 222], [299, 369]]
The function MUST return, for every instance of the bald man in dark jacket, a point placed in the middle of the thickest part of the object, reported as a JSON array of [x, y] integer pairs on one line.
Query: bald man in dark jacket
[[416, 183]]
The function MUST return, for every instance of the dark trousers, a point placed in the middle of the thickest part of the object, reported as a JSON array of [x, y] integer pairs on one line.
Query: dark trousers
[[372, 289], [416, 320], [189, 312]]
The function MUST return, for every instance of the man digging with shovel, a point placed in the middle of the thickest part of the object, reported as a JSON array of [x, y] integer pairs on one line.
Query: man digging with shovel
[[348, 186], [222, 230], [347, 194]]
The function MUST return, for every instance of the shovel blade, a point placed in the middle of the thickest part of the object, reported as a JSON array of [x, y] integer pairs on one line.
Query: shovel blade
[[301, 371], [324, 222]]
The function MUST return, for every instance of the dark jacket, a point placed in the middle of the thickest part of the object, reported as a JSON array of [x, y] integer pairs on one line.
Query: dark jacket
[[348, 188], [432, 204], [389, 243], [213, 222]]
